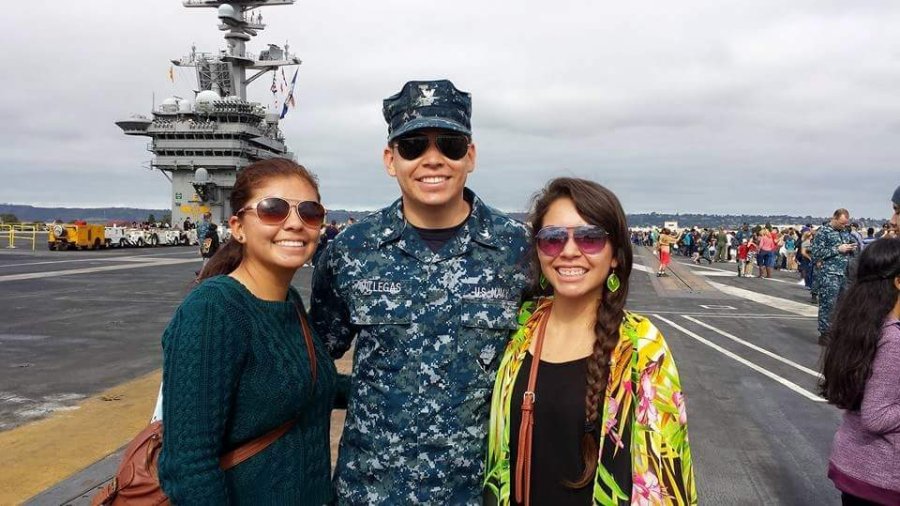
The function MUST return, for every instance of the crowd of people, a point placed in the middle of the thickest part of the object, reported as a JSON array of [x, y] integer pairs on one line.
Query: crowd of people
[[459, 317], [855, 281]]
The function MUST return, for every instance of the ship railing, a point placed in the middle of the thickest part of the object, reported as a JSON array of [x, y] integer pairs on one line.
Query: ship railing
[[261, 58], [200, 56]]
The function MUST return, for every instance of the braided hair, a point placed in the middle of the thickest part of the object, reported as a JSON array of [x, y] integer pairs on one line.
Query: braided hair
[[598, 206]]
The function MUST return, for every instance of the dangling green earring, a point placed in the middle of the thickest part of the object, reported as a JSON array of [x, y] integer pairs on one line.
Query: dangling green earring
[[543, 282], [613, 283]]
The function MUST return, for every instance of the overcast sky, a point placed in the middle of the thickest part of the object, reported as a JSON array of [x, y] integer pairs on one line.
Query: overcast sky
[[756, 106]]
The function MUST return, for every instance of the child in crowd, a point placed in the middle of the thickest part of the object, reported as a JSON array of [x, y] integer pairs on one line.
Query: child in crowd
[[711, 250], [742, 255], [752, 250]]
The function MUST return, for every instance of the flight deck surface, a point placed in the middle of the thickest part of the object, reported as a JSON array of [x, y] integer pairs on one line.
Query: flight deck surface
[[79, 372]]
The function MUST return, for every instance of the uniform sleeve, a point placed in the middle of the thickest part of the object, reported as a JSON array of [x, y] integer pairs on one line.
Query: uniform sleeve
[[329, 314], [880, 409], [820, 249], [203, 355]]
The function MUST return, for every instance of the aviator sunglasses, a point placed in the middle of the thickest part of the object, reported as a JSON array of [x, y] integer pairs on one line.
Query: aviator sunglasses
[[275, 211], [590, 239], [452, 146]]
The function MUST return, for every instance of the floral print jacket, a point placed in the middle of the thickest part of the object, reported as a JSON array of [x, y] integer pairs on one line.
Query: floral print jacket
[[643, 391]]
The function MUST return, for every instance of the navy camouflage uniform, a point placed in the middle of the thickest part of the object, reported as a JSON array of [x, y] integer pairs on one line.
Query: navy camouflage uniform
[[430, 329], [832, 273]]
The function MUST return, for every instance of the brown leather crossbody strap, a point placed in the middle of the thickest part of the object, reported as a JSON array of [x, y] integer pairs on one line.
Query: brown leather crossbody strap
[[523, 458], [310, 347], [245, 451]]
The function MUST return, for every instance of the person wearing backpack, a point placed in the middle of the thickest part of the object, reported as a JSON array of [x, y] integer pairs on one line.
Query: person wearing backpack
[[209, 244]]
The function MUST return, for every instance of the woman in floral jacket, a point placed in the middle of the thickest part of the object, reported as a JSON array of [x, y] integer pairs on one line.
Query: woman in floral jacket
[[609, 424]]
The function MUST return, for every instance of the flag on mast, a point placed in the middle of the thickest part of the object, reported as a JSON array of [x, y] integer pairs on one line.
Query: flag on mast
[[290, 98], [172, 73]]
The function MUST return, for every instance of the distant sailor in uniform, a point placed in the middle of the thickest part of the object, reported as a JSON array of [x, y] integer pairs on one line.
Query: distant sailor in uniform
[[429, 288], [831, 250]]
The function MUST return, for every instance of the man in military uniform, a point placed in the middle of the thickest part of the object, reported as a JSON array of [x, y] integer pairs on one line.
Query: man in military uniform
[[831, 250], [429, 288]]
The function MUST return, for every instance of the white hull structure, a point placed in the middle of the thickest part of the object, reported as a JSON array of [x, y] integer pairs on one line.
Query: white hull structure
[[201, 143]]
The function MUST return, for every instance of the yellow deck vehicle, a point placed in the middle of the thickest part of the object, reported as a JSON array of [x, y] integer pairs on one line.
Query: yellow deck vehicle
[[78, 235]]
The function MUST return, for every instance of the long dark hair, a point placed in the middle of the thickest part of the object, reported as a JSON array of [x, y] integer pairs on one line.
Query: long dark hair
[[857, 321], [255, 175], [597, 206]]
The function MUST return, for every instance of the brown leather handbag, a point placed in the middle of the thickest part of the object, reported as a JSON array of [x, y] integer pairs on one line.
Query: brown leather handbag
[[523, 458], [136, 482]]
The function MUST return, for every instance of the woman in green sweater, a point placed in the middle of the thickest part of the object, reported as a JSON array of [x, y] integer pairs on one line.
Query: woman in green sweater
[[235, 361]]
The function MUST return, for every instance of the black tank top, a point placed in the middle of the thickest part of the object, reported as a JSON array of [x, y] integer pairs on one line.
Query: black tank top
[[558, 428]]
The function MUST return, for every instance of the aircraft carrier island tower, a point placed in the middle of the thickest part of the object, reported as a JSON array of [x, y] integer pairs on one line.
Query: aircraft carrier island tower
[[199, 144]]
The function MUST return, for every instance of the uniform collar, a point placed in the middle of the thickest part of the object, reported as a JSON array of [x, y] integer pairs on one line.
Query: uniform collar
[[477, 225]]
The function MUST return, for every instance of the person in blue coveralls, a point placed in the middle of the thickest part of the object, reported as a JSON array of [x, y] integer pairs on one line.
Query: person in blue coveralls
[[428, 288]]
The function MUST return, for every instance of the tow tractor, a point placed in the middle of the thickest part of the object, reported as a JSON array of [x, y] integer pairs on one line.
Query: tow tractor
[[82, 235], [77, 235]]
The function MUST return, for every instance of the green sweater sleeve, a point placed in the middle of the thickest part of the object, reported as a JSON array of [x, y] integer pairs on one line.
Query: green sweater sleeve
[[203, 352]]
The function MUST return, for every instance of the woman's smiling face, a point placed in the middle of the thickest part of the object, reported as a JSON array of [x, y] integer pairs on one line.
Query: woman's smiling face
[[573, 273], [287, 245]]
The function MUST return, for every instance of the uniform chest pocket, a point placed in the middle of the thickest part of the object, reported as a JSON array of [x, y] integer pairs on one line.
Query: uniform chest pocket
[[382, 322], [485, 327], [380, 310]]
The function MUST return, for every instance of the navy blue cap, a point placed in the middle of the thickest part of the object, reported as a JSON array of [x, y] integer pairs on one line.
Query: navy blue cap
[[896, 198], [428, 104]]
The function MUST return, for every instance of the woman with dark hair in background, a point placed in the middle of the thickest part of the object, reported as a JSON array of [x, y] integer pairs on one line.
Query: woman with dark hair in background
[[610, 427], [861, 374], [239, 361]]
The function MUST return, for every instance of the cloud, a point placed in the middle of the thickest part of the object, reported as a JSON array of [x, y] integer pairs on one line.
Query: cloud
[[746, 106]]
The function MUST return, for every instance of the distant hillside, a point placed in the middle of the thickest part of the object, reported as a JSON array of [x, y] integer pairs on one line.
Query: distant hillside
[[89, 214], [106, 214]]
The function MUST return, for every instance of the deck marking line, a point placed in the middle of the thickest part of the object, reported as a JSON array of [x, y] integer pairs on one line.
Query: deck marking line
[[726, 273], [793, 386], [97, 259], [752, 346], [128, 258], [88, 270], [717, 314], [791, 306]]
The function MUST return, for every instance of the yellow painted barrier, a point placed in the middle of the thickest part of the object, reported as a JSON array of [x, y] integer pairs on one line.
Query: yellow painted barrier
[[24, 232], [7, 231]]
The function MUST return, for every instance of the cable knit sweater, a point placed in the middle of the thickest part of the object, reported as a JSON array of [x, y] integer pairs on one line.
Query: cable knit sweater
[[234, 368]]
